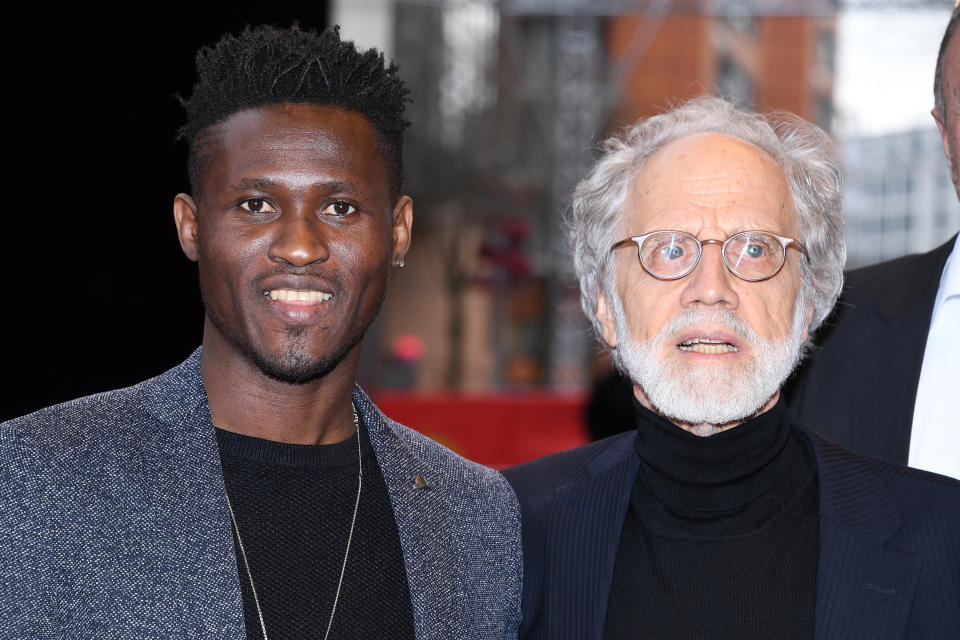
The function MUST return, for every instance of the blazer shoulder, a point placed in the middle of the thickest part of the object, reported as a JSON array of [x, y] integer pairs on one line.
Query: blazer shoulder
[[538, 478], [917, 494], [912, 274], [842, 462], [67, 424], [918, 491]]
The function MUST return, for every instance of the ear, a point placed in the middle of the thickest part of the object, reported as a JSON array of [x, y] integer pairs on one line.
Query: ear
[[185, 217], [945, 135], [608, 328], [402, 227]]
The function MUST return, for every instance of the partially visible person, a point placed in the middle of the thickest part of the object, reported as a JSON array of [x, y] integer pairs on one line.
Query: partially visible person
[[708, 243], [255, 491], [886, 371]]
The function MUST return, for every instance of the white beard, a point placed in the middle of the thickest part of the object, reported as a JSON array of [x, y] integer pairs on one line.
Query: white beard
[[709, 394]]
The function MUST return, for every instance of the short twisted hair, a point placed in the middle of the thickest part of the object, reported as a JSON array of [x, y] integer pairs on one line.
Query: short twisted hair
[[802, 150], [938, 100], [266, 65]]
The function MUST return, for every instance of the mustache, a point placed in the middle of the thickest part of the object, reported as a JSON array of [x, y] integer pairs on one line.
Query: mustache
[[334, 277], [690, 317]]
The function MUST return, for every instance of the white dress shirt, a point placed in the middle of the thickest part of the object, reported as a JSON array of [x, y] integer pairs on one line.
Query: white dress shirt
[[935, 438]]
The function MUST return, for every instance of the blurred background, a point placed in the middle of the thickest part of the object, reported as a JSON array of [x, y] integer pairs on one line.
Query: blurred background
[[481, 343]]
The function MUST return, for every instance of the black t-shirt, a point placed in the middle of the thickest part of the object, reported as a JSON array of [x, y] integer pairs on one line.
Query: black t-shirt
[[293, 505], [721, 535]]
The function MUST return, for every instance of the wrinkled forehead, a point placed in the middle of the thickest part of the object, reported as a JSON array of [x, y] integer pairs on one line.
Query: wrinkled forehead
[[710, 181]]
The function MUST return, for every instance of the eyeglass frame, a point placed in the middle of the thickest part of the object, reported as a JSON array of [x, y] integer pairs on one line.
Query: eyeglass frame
[[785, 242]]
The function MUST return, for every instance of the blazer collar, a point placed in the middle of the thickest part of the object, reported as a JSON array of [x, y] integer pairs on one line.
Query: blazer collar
[[422, 515], [185, 480], [595, 509], [178, 394], [864, 587]]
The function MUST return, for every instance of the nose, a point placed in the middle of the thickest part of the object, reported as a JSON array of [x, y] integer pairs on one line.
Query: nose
[[299, 240], [711, 283]]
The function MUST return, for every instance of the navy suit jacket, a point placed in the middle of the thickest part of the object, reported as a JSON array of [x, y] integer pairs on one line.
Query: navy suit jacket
[[859, 384], [889, 563]]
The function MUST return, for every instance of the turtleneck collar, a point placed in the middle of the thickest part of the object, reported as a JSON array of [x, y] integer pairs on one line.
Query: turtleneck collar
[[696, 478]]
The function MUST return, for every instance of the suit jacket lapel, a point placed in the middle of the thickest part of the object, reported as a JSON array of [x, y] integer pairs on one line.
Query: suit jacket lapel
[[864, 588], [423, 523], [917, 286], [584, 535], [889, 352], [183, 476]]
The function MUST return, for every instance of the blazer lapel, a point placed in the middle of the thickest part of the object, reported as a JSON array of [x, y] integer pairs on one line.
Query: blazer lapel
[[423, 523], [864, 588], [584, 535], [191, 523], [889, 353]]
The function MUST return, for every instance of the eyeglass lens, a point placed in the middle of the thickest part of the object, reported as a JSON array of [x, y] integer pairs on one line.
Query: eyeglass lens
[[751, 255]]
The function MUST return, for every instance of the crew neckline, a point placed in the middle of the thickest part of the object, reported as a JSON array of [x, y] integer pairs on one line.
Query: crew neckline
[[260, 450]]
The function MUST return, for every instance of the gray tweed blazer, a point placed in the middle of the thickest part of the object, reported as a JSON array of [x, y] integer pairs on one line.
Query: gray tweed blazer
[[114, 523]]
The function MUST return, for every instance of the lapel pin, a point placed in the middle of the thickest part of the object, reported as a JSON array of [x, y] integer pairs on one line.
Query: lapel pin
[[420, 483]]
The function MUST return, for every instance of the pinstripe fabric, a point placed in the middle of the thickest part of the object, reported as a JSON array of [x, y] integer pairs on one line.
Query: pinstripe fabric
[[113, 523], [889, 563]]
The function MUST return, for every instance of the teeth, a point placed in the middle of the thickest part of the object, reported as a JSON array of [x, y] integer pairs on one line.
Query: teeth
[[292, 294], [707, 345]]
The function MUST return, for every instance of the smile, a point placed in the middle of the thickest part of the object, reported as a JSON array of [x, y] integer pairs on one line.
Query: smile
[[293, 295], [706, 345]]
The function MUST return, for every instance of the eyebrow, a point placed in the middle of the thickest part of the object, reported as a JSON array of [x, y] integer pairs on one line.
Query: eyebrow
[[262, 184], [265, 184]]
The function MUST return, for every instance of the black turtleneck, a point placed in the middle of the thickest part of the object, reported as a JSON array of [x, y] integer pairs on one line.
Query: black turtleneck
[[720, 539]]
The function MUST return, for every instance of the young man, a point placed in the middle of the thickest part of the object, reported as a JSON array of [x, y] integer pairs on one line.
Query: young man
[[255, 491]]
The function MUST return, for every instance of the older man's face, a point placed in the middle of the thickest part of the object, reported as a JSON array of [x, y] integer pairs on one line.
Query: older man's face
[[711, 186]]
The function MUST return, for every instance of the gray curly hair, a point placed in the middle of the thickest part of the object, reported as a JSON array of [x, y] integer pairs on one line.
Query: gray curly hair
[[801, 149]]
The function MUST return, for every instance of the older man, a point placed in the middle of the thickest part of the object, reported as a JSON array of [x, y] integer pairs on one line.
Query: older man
[[708, 244]]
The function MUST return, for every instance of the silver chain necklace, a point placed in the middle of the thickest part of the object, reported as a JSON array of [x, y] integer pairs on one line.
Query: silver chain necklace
[[346, 554]]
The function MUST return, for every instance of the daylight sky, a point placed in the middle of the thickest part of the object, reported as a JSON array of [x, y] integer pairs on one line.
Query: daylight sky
[[885, 62]]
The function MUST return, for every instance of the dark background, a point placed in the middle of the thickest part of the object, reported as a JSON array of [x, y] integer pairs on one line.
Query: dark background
[[99, 295]]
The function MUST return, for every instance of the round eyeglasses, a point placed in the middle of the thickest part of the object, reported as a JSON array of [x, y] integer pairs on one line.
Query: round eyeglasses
[[750, 255]]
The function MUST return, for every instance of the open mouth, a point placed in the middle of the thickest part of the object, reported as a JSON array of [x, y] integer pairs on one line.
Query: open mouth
[[295, 295], [706, 345]]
